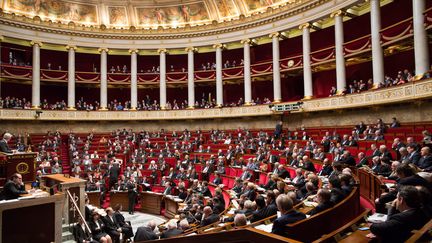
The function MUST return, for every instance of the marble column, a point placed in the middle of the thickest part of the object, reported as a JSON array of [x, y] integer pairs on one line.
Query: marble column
[[36, 74], [71, 77], [247, 72], [162, 78], [103, 79], [191, 76], [377, 51], [219, 81], [134, 82], [339, 51], [277, 97], [307, 70], [421, 49]]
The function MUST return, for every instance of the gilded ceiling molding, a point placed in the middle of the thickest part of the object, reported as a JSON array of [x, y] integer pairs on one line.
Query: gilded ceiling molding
[[160, 33]]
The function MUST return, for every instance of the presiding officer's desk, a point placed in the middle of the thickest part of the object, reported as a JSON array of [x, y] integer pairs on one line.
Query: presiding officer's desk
[[35, 220]]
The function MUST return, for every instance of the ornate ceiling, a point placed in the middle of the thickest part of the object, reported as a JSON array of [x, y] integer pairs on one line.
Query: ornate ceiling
[[144, 14]]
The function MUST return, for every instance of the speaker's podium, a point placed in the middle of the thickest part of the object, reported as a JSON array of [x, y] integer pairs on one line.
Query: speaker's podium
[[23, 163]]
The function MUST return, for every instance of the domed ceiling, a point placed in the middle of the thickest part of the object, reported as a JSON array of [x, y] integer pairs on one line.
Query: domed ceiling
[[143, 14]]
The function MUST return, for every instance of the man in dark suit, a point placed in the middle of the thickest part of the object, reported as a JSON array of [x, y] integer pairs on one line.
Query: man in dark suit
[[347, 159], [132, 193], [114, 172], [168, 188], [362, 160], [246, 175], [327, 168], [278, 130], [13, 188], [145, 233], [323, 198], [209, 216], [172, 230], [111, 225], [288, 214], [398, 227], [425, 161], [262, 211], [282, 172], [414, 155], [4, 143]]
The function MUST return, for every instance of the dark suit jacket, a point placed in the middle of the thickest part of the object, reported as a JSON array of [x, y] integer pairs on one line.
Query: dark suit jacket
[[114, 172], [414, 157], [79, 234], [263, 213], [337, 195], [309, 166], [425, 163], [291, 217], [11, 191], [4, 147], [349, 161], [144, 234], [270, 185], [398, 226], [217, 181], [363, 162], [284, 174], [210, 219], [171, 233], [110, 225], [326, 170], [320, 207]]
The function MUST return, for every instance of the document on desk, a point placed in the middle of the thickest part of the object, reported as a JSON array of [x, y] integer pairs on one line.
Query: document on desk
[[267, 228]]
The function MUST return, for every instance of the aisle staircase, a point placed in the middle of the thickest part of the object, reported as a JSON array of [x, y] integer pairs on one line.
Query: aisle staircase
[[65, 155]]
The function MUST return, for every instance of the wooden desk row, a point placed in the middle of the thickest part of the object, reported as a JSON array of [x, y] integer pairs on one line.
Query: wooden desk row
[[150, 202]]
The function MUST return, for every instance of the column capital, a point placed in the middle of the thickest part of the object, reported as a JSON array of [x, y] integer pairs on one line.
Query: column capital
[[337, 13], [1, 38], [305, 26], [219, 45], [133, 51], [246, 41], [103, 49], [274, 34], [191, 48], [39, 43], [160, 50], [73, 47]]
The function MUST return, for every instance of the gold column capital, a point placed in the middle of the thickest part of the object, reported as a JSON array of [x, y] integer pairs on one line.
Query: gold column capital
[[1, 38], [39, 43], [73, 47], [191, 48], [246, 41], [160, 50], [219, 45], [274, 34], [304, 26], [103, 49], [133, 51], [337, 13]]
